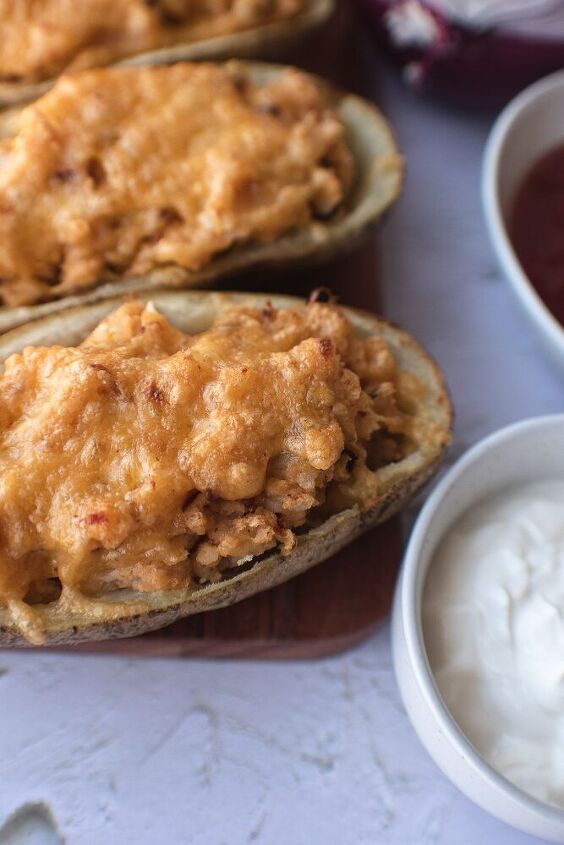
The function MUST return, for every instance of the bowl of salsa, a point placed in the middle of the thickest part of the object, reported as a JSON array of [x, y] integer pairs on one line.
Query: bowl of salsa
[[523, 198]]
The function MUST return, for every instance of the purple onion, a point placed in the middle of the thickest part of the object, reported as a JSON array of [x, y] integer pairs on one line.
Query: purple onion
[[469, 61]]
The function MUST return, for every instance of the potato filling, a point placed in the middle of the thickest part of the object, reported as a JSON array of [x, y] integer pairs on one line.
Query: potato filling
[[42, 38], [149, 459], [125, 171]]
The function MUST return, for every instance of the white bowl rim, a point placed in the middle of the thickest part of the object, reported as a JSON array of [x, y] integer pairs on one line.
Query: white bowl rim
[[413, 631], [545, 321]]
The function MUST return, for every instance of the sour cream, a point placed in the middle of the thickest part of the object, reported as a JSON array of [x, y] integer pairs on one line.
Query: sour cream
[[493, 624]]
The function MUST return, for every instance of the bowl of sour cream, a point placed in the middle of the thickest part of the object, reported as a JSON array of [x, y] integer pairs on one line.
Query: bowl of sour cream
[[478, 625]]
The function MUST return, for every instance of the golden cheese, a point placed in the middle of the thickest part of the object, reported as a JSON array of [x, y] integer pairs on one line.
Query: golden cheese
[[149, 459], [41, 38], [122, 171]]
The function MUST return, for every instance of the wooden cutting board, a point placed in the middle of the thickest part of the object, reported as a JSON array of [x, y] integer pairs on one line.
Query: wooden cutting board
[[336, 604]]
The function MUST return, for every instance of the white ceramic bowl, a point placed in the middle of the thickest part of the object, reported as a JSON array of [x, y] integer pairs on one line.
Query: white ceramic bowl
[[525, 452], [531, 125]]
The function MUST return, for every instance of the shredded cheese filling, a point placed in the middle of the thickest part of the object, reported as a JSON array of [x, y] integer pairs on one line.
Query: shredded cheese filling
[[152, 460], [41, 38], [124, 171]]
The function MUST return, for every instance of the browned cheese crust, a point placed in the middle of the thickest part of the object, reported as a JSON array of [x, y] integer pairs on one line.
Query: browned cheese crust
[[119, 172], [146, 458], [40, 39], [146, 463]]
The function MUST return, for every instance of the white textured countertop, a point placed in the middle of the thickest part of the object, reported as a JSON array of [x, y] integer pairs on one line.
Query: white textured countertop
[[106, 751]]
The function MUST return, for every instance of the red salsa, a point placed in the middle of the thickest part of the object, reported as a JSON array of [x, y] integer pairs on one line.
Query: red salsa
[[537, 228]]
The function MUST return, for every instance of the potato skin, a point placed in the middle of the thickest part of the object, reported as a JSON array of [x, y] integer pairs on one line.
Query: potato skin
[[194, 311], [378, 183], [267, 41]]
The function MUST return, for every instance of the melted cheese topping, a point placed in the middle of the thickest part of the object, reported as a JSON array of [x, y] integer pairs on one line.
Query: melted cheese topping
[[118, 172], [149, 459], [42, 38]]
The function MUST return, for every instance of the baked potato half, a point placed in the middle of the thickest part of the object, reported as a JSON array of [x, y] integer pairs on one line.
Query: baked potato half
[[419, 397], [268, 39], [367, 151]]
